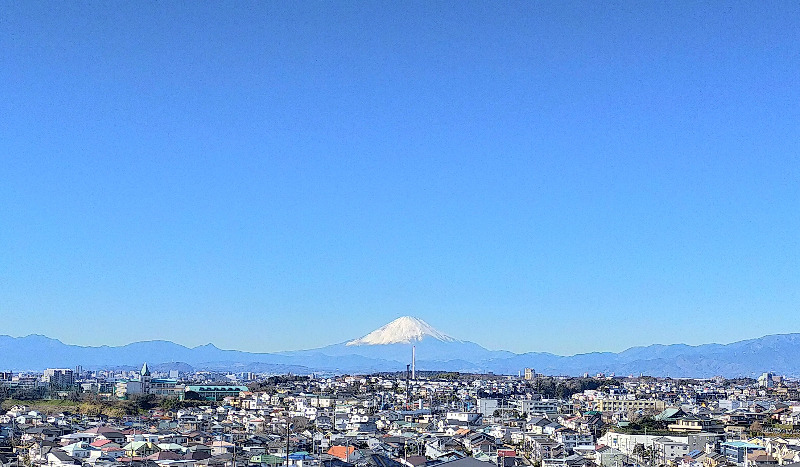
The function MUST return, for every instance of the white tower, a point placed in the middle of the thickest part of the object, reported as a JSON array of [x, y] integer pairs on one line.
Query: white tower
[[413, 362]]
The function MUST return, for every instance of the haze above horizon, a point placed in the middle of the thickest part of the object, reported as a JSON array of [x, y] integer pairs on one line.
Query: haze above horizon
[[566, 178]]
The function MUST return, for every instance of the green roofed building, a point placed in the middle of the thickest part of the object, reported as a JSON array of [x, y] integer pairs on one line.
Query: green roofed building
[[670, 414], [216, 392]]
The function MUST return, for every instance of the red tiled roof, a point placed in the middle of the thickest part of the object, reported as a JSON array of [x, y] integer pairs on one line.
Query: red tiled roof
[[342, 452], [98, 443]]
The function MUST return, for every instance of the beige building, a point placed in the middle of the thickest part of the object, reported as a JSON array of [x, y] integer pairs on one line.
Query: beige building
[[624, 405], [696, 425]]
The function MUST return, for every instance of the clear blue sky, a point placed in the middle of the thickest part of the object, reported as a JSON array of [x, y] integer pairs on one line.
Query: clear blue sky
[[534, 176]]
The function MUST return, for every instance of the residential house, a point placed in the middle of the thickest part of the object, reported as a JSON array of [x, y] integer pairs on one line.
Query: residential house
[[736, 451], [58, 458], [140, 448], [571, 439], [668, 450]]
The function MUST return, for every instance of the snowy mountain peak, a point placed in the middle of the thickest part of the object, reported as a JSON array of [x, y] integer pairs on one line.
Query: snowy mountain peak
[[403, 330]]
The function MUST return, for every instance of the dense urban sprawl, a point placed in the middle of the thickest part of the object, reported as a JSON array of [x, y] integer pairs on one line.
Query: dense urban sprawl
[[66, 417]]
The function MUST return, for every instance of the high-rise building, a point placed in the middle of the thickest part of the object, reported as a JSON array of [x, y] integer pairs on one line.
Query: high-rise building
[[766, 380], [529, 374], [59, 378]]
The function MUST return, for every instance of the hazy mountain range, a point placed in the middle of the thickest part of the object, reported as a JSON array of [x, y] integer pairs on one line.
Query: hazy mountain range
[[389, 349]]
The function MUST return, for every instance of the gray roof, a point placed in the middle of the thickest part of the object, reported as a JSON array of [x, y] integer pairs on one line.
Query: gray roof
[[62, 456], [465, 462]]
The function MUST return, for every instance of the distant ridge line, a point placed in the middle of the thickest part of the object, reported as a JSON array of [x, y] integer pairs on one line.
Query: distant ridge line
[[779, 353]]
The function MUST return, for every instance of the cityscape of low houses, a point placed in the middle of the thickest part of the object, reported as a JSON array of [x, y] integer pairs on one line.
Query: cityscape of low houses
[[392, 420]]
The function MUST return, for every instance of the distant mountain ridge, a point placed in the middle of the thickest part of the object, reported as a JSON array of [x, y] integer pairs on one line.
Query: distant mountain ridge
[[389, 349]]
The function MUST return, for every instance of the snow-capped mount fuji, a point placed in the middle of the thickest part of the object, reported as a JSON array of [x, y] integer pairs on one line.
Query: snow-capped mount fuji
[[392, 343], [403, 330]]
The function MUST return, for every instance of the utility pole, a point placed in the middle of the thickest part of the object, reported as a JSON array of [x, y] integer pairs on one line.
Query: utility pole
[[287, 437], [13, 448]]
